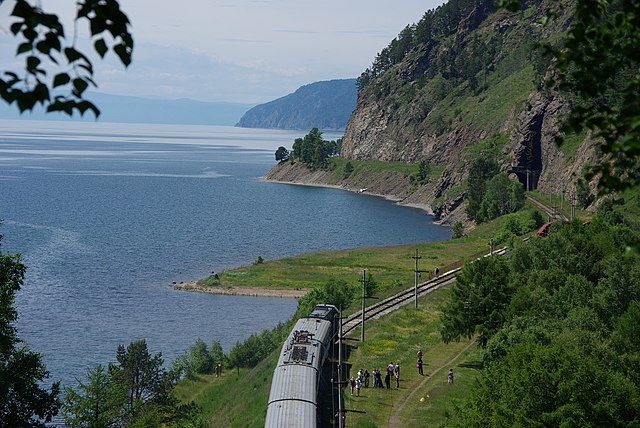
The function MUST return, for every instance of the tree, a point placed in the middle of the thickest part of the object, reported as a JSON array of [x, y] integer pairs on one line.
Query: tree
[[199, 358], [296, 149], [457, 230], [372, 286], [46, 48], [583, 193], [282, 154], [481, 170], [216, 353], [98, 403], [338, 293], [423, 171], [502, 196], [141, 375], [478, 302], [348, 170], [24, 401], [312, 150]]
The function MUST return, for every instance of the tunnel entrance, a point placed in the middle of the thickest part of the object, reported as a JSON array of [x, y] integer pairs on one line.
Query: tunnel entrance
[[529, 158]]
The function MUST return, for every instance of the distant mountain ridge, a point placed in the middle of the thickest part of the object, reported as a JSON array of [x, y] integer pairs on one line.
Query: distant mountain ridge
[[127, 109], [325, 105]]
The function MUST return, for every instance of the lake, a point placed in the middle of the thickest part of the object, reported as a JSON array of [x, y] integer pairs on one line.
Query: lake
[[108, 215]]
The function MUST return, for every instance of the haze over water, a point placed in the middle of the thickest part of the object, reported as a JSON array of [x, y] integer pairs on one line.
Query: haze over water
[[108, 215]]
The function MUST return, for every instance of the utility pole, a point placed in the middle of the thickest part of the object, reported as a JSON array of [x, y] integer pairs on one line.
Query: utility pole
[[364, 295], [417, 272], [527, 179], [340, 409], [417, 275]]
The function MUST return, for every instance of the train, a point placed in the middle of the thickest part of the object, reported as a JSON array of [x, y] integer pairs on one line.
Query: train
[[293, 399]]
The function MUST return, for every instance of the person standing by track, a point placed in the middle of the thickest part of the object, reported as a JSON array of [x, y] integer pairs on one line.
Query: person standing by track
[[387, 378]]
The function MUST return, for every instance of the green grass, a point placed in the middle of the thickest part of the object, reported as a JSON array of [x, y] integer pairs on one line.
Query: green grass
[[570, 146], [234, 400], [493, 105], [372, 166], [491, 147], [440, 397], [240, 400], [397, 337], [392, 267]]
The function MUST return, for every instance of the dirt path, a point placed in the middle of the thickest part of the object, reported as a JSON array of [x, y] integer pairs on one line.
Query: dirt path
[[394, 421]]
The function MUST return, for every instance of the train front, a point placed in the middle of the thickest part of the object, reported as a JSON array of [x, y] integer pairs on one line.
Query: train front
[[293, 399]]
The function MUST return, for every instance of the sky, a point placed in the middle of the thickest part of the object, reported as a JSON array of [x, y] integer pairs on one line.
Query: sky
[[246, 51]]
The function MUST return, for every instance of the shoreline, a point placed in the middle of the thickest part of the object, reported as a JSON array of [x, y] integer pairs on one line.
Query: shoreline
[[251, 291], [423, 207], [240, 291]]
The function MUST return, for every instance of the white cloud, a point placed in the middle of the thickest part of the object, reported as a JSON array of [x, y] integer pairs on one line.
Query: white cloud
[[243, 50]]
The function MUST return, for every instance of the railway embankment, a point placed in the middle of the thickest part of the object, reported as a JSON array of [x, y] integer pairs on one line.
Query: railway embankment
[[239, 397]]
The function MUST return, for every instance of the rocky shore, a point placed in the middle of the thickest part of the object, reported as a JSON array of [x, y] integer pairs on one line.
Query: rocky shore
[[240, 291]]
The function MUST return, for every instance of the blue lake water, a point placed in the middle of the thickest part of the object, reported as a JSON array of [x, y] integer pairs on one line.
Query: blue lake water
[[108, 215]]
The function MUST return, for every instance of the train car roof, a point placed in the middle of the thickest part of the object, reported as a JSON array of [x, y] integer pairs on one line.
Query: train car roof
[[325, 312], [291, 414], [294, 382]]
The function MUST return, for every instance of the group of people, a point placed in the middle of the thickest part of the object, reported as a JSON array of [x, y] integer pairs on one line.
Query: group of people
[[363, 377]]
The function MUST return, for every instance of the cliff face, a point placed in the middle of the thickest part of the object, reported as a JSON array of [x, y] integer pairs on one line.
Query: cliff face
[[454, 98], [323, 105], [466, 82]]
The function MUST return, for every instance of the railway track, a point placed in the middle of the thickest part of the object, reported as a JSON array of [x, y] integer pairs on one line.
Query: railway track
[[553, 214], [403, 298]]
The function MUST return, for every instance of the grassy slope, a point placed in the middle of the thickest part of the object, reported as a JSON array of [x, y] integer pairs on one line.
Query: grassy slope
[[241, 400], [397, 337], [234, 400]]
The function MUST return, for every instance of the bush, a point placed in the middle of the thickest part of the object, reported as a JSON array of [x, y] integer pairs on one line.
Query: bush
[[348, 170], [423, 172], [537, 218], [216, 354], [197, 360], [457, 230], [583, 193]]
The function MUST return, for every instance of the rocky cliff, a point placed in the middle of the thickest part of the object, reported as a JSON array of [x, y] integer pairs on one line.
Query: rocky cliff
[[323, 105], [449, 93]]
